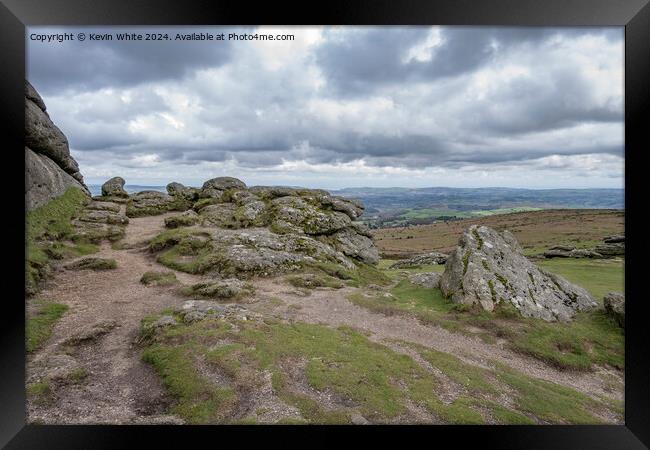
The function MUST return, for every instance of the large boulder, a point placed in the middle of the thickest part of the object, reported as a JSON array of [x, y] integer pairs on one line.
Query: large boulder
[[224, 183], [614, 303], [178, 189], [488, 268], [114, 188], [50, 170]]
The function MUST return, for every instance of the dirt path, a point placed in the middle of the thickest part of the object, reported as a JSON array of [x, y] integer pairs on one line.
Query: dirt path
[[331, 307], [120, 388]]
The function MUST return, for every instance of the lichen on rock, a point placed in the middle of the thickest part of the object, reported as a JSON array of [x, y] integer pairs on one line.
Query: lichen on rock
[[262, 231], [488, 268]]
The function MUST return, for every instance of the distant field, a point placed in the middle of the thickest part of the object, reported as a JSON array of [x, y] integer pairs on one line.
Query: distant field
[[417, 216], [535, 230], [598, 276]]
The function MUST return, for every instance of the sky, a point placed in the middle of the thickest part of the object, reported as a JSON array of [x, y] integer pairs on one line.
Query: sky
[[341, 106]]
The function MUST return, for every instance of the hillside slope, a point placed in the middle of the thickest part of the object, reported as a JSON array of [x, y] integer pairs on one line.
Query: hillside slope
[[534, 230]]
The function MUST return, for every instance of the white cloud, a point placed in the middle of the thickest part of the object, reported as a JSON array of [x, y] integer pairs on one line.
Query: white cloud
[[520, 109]]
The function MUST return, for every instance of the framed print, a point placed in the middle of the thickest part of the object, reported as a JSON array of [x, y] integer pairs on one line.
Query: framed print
[[387, 219]]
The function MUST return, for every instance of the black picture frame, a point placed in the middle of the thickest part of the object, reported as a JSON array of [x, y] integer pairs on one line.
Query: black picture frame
[[634, 15]]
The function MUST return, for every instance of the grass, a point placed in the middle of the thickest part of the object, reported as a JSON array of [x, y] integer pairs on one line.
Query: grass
[[47, 223], [38, 327], [158, 278], [598, 276], [198, 400], [181, 221], [428, 305], [470, 377], [548, 401], [40, 393], [591, 338], [340, 361], [52, 220], [359, 375]]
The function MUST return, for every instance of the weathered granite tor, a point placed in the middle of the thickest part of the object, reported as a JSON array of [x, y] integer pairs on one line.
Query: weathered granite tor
[[488, 268], [236, 231], [49, 168]]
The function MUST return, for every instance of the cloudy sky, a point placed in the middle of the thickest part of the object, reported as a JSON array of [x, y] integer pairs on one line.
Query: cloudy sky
[[342, 106]]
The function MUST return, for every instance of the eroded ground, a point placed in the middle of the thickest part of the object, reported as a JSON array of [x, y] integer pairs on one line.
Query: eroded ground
[[384, 352]]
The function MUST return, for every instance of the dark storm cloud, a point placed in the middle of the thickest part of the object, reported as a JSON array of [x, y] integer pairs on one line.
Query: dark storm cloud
[[486, 97], [532, 105], [90, 65], [369, 57]]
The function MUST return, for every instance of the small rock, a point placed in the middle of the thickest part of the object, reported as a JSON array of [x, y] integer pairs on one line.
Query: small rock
[[614, 303], [193, 316], [358, 419], [91, 332], [58, 368], [164, 321], [428, 280]]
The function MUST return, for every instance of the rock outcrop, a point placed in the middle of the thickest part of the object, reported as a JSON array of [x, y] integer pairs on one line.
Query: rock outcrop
[[488, 268], [421, 260], [614, 303], [232, 230], [565, 251], [49, 168], [114, 188], [611, 246]]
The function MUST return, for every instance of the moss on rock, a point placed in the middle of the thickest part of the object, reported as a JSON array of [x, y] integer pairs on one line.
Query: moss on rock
[[158, 278], [92, 264]]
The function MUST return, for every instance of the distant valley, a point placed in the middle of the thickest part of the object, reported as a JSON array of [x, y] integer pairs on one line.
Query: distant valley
[[396, 206], [390, 207]]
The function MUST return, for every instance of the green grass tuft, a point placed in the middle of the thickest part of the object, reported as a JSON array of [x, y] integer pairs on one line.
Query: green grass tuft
[[49, 222], [198, 401], [158, 278], [38, 327], [40, 393]]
